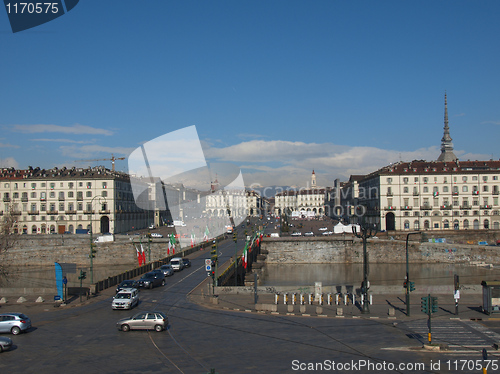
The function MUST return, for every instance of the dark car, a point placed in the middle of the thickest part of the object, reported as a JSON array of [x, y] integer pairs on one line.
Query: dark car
[[152, 279], [126, 284], [186, 262], [167, 270], [5, 343]]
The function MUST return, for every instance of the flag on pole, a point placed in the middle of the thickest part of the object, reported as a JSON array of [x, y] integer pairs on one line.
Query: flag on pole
[[172, 243], [139, 257], [143, 254], [205, 236], [192, 241], [244, 258]]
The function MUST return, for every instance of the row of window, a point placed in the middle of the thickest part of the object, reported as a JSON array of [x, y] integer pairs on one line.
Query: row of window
[[52, 185], [446, 189], [456, 225], [445, 202], [456, 213], [52, 195], [445, 180]]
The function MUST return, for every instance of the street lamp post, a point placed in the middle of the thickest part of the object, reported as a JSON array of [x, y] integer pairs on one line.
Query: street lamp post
[[92, 244], [367, 231], [407, 279]]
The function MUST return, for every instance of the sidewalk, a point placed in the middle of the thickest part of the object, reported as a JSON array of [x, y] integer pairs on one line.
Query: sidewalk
[[384, 306]]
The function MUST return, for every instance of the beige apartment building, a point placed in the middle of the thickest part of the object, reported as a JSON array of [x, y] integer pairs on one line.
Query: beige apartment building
[[70, 200]]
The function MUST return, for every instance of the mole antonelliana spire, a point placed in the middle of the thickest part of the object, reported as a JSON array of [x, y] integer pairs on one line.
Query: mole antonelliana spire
[[447, 154]]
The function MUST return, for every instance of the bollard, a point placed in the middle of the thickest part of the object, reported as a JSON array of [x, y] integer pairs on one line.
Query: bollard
[[294, 298], [338, 298], [329, 299], [320, 301], [285, 298], [302, 299], [311, 298], [346, 299], [276, 298], [353, 299], [371, 300]]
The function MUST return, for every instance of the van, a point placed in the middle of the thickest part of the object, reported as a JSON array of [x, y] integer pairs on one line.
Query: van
[[177, 264]]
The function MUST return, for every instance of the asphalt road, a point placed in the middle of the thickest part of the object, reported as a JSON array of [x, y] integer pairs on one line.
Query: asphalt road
[[85, 339]]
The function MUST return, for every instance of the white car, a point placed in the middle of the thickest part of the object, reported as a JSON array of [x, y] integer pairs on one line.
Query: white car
[[297, 234], [323, 228], [127, 298], [156, 235], [310, 233]]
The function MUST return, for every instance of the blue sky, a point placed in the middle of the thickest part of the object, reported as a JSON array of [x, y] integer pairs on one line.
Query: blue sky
[[277, 87]]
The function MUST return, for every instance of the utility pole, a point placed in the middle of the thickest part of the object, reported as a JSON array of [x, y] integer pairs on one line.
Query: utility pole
[[367, 231], [410, 286]]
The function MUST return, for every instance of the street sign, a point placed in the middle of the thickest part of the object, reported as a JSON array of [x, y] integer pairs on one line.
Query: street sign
[[208, 261], [208, 267]]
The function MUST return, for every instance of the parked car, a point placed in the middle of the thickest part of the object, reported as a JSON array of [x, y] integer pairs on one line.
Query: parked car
[[156, 235], [14, 323], [177, 264], [126, 284], [323, 228], [127, 298], [186, 262], [5, 343], [297, 234], [310, 233], [151, 279], [167, 270], [157, 321], [161, 272]]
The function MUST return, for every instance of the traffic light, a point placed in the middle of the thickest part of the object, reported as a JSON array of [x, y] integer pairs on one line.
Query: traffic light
[[234, 237], [215, 258], [405, 284], [434, 304], [83, 275], [424, 304], [93, 251], [412, 286]]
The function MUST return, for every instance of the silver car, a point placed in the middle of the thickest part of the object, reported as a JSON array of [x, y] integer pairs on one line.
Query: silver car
[[167, 270], [14, 323], [5, 343], [157, 321]]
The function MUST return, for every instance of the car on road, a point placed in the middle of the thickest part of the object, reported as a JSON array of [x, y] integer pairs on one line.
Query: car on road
[[297, 234], [186, 262], [177, 264], [323, 228], [310, 233], [5, 343], [151, 279], [156, 235], [127, 298], [126, 284], [15, 323], [167, 270], [157, 321]]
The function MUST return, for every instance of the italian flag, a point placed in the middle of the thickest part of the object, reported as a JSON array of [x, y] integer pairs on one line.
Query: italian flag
[[244, 258], [139, 257], [143, 254], [172, 243], [207, 233]]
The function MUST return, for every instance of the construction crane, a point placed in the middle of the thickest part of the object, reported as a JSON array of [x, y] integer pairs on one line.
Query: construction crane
[[112, 159]]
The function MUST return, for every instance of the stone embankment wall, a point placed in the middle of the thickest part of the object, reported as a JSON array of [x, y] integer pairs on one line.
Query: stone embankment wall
[[47, 249], [336, 250]]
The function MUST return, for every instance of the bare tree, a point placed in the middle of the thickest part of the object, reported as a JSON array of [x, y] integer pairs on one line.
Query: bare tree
[[7, 239]]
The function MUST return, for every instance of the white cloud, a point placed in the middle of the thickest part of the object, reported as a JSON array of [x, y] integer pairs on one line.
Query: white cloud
[[291, 163], [6, 145], [93, 151], [9, 162], [74, 129]]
